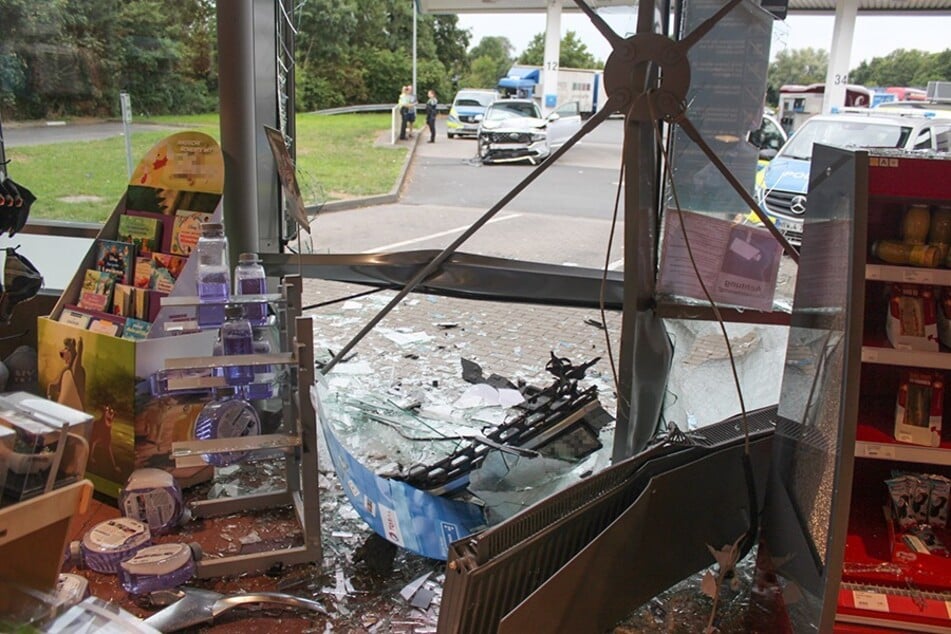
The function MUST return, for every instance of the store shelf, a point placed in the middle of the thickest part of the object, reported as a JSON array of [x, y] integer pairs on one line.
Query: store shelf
[[884, 583], [228, 361], [182, 301], [875, 443], [913, 358], [907, 274], [888, 607]]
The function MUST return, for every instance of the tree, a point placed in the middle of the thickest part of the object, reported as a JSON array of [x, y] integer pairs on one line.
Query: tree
[[452, 44], [489, 60], [573, 53], [796, 66], [360, 51], [903, 68], [73, 57], [483, 73]]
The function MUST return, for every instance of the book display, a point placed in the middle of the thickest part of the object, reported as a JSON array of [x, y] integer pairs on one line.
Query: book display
[[112, 311]]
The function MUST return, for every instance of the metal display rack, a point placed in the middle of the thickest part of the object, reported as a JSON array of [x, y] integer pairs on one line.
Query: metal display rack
[[298, 446]]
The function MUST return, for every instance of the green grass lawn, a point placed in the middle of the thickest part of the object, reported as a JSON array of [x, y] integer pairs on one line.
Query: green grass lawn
[[337, 157]]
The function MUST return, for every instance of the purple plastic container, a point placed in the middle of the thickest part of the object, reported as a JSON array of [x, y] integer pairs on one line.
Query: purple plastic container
[[152, 496], [228, 418], [160, 567], [111, 542]]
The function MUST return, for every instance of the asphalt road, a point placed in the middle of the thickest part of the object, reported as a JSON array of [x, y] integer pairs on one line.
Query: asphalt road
[[564, 217], [56, 132], [582, 183]]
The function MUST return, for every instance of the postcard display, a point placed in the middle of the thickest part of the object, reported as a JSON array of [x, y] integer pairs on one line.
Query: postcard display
[[868, 469], [108, 337]]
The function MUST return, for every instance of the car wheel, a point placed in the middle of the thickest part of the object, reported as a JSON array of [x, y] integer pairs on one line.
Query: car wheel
[[450, 135], [483, 149]]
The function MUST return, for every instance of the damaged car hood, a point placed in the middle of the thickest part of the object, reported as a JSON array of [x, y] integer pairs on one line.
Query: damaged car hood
[[516, 124]]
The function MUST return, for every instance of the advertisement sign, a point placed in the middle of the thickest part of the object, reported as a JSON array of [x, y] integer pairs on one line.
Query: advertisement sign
[[410, 518]]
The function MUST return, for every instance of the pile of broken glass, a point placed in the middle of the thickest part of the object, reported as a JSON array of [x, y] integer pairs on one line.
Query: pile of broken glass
[[423, 474]]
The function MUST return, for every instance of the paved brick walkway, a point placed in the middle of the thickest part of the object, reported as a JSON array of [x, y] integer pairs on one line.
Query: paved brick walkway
[[512, 340]]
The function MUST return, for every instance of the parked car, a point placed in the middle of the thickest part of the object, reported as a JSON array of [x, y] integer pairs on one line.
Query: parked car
[[782, 191], [937, 108], [467, 109], [514, 130], [769, 137]]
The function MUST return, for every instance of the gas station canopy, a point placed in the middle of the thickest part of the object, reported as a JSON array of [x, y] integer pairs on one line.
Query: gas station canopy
[[509, 6], [794, 6], [873, 6]]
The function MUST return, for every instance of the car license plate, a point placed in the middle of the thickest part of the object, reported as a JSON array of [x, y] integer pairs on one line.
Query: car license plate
[[789, 225]]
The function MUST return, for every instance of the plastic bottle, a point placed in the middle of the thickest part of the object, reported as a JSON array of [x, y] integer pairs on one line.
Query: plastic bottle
[[214, 274], [263, 385], [249, 279], [237, 338]]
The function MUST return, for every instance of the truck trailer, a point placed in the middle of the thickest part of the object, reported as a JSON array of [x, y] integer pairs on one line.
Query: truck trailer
[[586, 86]]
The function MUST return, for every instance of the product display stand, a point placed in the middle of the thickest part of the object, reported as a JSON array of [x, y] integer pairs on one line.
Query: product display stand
[[298, 444], [855, 522], [886, 582]]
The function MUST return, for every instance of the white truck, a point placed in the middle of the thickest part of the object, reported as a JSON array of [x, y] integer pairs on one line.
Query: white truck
[[585, 86]]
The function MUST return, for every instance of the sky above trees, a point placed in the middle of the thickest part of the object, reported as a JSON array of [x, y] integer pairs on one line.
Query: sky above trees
[[875, 36]]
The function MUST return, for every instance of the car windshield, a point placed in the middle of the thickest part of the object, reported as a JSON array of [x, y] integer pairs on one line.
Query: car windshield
[[474, 99], [501, 111], [845, 133]]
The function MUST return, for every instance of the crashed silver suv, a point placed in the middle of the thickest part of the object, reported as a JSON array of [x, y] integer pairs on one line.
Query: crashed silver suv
[[515, 130]]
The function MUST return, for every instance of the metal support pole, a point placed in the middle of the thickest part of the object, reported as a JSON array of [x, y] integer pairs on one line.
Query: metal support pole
[[414, 50], [645, 353], [125, 107], [247, 75], [236, 99]]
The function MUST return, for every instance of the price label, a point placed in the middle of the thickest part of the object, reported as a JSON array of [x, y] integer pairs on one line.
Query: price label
[[873, 272], [870, 601], [879, 451], [917, 276], [870, 355]]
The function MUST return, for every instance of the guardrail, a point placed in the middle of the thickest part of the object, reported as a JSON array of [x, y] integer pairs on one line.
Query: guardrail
[[374, 107], [395, 120]]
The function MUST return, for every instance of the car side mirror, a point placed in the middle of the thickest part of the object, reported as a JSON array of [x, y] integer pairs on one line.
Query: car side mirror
[[478, 117], [767, 154], [554, 116]]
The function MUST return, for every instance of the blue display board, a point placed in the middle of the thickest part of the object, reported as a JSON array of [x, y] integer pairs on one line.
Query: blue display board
[[416, 520]]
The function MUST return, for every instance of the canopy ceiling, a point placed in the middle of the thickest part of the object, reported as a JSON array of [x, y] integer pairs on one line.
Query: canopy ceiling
[[508, 6], [873, 6], [795, 6]]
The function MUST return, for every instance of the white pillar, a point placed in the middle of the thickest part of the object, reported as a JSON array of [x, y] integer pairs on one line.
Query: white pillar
[[837, 75], [552, 51]]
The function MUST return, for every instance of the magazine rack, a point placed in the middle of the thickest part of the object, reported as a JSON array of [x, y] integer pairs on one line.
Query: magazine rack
[[298, 445]]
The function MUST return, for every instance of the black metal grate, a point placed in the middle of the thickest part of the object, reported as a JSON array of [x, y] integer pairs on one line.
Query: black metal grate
[[489, 574]]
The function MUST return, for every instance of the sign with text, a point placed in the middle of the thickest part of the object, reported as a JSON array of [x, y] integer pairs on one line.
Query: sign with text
[[739, 264], [725, 102]]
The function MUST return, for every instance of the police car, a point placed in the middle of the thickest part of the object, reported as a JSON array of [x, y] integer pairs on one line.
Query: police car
[[466, 112], [782, 190]]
